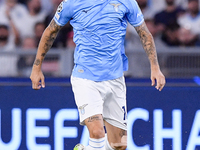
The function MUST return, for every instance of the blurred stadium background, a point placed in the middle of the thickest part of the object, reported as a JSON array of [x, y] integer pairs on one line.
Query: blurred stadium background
[[47, 119]]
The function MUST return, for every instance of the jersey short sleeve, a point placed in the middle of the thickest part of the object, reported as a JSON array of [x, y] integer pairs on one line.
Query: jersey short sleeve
[[134, 15], [64, 12]]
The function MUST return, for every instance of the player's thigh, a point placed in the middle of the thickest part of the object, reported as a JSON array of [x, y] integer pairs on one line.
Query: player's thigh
[[114, 107], [115, 114], [87, 98], [117, 137]]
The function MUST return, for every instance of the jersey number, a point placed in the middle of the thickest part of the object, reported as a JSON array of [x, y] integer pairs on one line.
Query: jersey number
[[124, 109]]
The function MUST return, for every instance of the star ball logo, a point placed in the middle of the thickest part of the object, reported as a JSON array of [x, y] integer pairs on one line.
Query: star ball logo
[[60, 7]]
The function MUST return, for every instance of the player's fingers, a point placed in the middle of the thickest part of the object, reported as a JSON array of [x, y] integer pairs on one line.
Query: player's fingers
[[43, 83], [160, 89], [160, 84], [153, 81], [36, 85], [32, 86]]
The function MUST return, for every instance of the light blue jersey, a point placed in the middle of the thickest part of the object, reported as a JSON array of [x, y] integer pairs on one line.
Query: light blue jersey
[[99, 32]]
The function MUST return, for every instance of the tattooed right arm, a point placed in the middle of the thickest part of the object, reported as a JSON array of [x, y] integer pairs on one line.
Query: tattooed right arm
[[46, 42]]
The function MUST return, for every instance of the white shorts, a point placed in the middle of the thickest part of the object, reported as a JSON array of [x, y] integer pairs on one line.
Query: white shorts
[[107, 98]]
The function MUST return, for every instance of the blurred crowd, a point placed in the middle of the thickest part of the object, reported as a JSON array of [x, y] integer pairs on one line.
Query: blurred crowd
[[22, 22], [171, 22]]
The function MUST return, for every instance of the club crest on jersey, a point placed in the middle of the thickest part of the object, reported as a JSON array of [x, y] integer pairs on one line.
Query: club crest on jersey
[[116, 6], [82, 109], [60, 7]]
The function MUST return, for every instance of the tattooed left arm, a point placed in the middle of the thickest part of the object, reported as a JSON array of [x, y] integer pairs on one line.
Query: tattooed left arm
[[150, 49], [148, 44]]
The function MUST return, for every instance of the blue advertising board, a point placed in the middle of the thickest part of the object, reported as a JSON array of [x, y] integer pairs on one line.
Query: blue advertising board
[[47, 119]]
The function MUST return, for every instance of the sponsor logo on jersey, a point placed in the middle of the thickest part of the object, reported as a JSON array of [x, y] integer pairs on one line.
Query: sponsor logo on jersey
[[60, 7], [82, 109], [116, 6], [85, 11]]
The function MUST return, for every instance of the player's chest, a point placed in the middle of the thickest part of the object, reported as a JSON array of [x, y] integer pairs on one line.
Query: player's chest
[[102, 9]]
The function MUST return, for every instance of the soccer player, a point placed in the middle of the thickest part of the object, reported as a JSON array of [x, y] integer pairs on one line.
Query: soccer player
[[97, 78]]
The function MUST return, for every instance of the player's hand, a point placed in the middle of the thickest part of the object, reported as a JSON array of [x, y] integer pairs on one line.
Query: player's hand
[[37, 79], [157, 79]]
